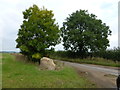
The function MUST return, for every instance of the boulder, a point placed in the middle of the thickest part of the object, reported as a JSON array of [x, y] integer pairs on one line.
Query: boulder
[[47, 63]]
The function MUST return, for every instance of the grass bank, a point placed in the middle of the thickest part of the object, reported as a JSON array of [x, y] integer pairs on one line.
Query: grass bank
[[0, 70], [18, 74]]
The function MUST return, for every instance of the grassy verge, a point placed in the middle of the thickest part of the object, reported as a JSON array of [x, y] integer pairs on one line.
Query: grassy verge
[[0, 70], [96, 61], [18, 74]]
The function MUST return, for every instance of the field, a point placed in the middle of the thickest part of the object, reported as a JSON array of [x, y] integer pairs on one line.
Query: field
[[19, 74]]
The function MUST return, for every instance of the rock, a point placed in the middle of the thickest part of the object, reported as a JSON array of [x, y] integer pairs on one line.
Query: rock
[[47, 63]]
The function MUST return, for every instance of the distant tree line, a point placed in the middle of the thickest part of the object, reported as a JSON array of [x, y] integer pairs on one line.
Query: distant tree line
[[111, 54]]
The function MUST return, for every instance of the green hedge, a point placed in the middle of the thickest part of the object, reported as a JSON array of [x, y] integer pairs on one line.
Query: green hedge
[[112, 54]]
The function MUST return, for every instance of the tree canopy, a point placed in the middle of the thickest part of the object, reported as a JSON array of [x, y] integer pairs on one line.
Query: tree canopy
[[83, 32], [38, 32]]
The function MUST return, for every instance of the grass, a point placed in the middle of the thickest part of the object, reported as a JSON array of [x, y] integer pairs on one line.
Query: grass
[[94, 60], [18, 74], [0, 70]]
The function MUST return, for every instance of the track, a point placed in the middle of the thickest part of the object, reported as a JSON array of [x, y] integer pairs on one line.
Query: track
[[103, 76]]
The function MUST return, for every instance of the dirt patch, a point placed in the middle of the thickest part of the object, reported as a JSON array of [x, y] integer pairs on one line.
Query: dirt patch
[[1, 56], [19, 56], [87, 75], [101, 80], [22, 58], [110, 75]]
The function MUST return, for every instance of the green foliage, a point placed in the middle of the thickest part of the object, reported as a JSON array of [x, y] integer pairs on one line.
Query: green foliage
[[83, 32], [64, 54], [97, 60], [113, 54], [38, 32], [36, 56], [107, 55]]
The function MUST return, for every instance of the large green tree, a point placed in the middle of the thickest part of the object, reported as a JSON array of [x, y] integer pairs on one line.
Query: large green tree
[[83, 32], [38, 32]]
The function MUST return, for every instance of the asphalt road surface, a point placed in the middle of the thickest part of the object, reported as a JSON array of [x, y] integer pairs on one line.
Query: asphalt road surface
[[103, 76]]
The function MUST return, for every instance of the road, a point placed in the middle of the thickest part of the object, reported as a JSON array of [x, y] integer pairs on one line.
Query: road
[[103, 76]]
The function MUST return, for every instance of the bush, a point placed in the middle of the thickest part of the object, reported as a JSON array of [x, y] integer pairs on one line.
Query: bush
[[65, 54], [113, 54]]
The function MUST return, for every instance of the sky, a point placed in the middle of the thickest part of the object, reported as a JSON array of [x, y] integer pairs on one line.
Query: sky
[[11, 17], [119, 24]]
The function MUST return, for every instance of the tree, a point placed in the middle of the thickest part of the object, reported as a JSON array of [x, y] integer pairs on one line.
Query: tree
[[83, 32], [37, 33]]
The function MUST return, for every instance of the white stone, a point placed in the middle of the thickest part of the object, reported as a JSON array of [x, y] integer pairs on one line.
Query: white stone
[[47, 63]]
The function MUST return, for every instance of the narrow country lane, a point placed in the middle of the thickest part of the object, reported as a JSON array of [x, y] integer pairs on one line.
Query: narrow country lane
[[103, 76]]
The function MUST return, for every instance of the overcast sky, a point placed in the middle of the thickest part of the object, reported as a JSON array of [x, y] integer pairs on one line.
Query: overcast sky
[[11, 16]]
